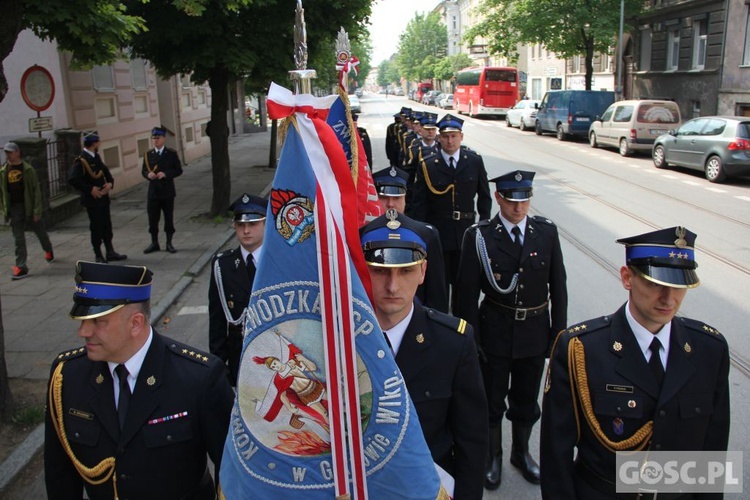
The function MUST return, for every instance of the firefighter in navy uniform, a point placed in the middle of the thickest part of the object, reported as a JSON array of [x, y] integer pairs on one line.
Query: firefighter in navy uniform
[[446, 187], [390, 184], [391, 139], [435, 352], [366, 144], [425, 145], [160, 166], [232, 275], [638, 379], [520, 274], [133, 414], [410, 136]]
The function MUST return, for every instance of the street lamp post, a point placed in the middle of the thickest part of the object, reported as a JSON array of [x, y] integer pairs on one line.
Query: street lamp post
[[618, 89]]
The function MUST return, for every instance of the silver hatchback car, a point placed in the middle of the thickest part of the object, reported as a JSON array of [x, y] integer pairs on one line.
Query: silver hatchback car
[[717, 145]]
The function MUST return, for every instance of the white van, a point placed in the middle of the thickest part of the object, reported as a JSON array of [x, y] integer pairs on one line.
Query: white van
[[634, 125]]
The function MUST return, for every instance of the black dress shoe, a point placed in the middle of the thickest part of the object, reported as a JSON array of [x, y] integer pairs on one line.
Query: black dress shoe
[[153, 247], [116, 256], [101, 260], [171, 249]]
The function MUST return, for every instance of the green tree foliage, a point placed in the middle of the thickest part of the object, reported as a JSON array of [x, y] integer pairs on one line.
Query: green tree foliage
[[424, 36], [448, 67], [566, 27], [253, 40], [92, 30]]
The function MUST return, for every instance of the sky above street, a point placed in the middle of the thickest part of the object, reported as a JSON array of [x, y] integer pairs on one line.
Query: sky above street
[[389, 19]]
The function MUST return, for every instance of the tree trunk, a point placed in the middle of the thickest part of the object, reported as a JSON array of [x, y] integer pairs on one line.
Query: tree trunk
[[6, 398], [589, 61], [9, 29], [272, 152], [222, 181]]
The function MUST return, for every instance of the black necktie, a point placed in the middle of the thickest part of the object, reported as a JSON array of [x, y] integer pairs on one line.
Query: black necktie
[[388, 341], [124, 399], [655, 362], [250, 266], [452, 162], [517, 241]]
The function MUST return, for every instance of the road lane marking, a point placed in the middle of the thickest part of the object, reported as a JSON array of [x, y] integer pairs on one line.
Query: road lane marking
[[716, 190], [691, 183], [193, 310], [743, 198]]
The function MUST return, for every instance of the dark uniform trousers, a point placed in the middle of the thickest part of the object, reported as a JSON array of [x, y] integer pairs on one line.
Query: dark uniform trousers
[[225, 338], [515, 330], [438, 360], [161, 192], [84, 180], [689, 413], [156, 457], [445, 198]]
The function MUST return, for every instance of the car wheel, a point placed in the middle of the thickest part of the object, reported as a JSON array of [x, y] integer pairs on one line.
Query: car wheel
[[560, 132], [507, 121], [592, 140], [659, 156], [624, 148], [522, 125], [715, 169], [538, 128]]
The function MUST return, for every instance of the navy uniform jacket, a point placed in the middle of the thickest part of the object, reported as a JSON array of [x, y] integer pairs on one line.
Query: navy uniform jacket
[[438, 360], [168, 163], [391, 142], [85, 179], [366, 144], [541, 277], [154, 459], [224, 338], [469, 181], [690, 413], [433, 292]]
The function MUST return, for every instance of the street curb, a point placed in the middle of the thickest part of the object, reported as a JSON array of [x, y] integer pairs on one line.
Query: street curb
[[34, 442]]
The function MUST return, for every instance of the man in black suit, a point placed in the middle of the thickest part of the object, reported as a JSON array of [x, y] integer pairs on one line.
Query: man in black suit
[[425, 145], [160, 166], [639, 379], [92, 178], [232, 275], [517, 262], [366, 144], [435, 352], [446, 187], [132, 414], [391, 139], [390, 184]]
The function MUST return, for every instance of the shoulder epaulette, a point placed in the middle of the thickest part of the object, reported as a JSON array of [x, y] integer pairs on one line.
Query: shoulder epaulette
[[430, 157], [71, 354], [452, 322], [469, 151], [542, 220], [591, 325], [224, 253], [189, 352], [700, 326]]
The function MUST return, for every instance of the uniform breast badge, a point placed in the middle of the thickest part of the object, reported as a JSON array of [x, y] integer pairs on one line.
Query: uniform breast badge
[[420, 339], [687, 348], [618, 426], [151, 380], [632, 403], [617, 346], [99, 378]]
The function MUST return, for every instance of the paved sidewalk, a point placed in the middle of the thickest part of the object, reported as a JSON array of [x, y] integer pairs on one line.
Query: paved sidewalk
[[35, 309]]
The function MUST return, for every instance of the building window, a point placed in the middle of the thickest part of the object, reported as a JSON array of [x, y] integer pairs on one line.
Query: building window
[[140, 104], [189, 134], [143, 145], [186, 100], [673, 49], [138, 74], [696, 109], [576, 64], [202, 97], [746, 54], [105, 108], [645, 56], [104, 78], [536, 88], [700, 36], [111, 157], [185, 81]]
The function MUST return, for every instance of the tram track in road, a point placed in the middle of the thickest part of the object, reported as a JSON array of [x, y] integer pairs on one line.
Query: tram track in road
[[739, 361]]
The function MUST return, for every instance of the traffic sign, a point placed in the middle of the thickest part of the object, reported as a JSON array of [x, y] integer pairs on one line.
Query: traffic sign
[[40, 124], [37, 88]]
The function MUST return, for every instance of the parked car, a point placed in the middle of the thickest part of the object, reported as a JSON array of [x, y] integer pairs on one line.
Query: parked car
[[430, 97], [717, 145], [445, 101], [522, 115], [354, 104], [399, 91], [634, 125], [570, 112]]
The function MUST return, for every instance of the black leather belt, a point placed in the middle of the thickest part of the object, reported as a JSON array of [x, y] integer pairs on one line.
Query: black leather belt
[[456, 215], [609, 488], [519, 313]]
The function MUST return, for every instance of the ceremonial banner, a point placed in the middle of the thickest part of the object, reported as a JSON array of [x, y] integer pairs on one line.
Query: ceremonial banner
[[321, 408]]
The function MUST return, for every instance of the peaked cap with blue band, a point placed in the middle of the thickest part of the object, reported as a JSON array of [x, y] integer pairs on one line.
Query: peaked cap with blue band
[[90, 138], [249, 208], [516, 185], [158, 131], [429, 120], [665, 257], [104, 288], [416, 116], [406, 112], [450, 123], [390, 181], [392, 240]]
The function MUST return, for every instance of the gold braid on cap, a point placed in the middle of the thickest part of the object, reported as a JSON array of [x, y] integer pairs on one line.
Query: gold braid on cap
[[89, 170], [96, 475], [579, 384]]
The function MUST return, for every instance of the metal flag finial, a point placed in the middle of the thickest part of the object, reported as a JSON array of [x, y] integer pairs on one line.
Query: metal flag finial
[[301, 76], [343, 54]]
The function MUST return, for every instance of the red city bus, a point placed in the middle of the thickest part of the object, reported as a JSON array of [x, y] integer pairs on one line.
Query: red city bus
[[422, 89], [486, 91]]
